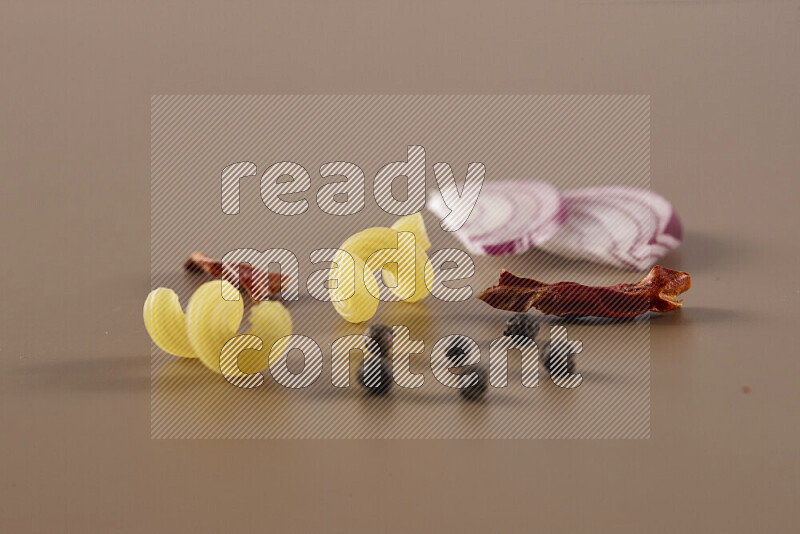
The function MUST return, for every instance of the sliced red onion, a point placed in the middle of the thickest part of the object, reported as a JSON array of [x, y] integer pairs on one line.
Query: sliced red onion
[[626, 227], [509, 217]]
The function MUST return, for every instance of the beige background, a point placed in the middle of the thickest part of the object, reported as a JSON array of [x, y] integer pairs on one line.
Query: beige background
[[74, 118]]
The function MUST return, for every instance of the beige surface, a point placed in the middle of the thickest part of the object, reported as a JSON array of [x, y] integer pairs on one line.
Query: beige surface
[[76, 84]]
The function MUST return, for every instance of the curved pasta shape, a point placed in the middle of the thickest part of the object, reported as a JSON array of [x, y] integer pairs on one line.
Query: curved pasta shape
[[166, 323], [408, 273], [211, 321], [270, 321], [416, 225], [351, 298]]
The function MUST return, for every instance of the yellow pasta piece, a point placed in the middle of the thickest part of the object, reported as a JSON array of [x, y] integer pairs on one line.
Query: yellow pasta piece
[[404, 266], [211, 321], [362, 244], [166, 323], [350, 298], [270, 321], [416, 225], [371, 249]]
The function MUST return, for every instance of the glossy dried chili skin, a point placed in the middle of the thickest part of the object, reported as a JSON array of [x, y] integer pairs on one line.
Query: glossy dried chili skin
[[656, 292], [254, 281]]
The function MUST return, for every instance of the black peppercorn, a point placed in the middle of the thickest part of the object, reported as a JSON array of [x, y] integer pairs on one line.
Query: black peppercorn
[[375, 375], [522, 324], [558, 360], [457, 354], [477, 389], [380, 342]]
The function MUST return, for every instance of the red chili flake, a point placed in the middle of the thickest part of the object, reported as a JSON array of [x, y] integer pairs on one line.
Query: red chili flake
[[259, 286], [655, 292], [745, 389]]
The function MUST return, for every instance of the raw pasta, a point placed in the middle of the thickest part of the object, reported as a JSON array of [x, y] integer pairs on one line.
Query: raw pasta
[[211, 321], [355, 298]]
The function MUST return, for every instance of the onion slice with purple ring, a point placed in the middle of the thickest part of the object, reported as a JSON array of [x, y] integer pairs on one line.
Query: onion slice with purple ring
[[625, 227], [509, 217]]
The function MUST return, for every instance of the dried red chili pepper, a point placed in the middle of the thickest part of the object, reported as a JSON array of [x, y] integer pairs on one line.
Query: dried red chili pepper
[[254, 281], [655, 292]]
